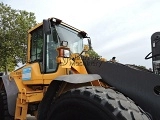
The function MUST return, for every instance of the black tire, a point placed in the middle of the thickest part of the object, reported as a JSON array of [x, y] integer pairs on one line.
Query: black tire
[[94, 103], [4, 114], [46, 102]]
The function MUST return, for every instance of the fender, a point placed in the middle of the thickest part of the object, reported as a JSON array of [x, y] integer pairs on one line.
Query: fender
[[55, 86], [78, 78], [12, 92]]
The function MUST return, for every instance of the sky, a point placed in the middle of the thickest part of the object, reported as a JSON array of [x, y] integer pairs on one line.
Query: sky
[[120, 28]]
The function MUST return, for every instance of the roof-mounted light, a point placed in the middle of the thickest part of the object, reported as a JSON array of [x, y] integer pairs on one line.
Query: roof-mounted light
[[56, 21], [83, 34]]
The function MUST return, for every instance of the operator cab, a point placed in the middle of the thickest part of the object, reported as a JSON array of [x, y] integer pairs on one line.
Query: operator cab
[[45, 38]]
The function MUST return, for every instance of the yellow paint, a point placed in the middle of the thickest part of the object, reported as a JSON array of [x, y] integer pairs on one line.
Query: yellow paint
[[51, 76], [35, 27], [36, 76], [28, 48], [28, 92]]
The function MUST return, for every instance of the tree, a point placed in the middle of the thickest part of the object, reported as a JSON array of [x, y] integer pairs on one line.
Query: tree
[[92, 53], [14, 25]]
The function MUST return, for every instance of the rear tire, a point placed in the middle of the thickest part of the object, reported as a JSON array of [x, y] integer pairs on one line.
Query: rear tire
[[4, 113], [94, 103]]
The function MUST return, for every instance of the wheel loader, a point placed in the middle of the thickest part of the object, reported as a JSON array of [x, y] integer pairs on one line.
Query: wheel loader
[[60, 82]]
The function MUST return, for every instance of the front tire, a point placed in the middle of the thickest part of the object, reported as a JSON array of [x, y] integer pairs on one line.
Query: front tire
[[94, 103]]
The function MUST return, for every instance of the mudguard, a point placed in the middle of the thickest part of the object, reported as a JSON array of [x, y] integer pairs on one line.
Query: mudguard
[[55, 86], [12, 92], [78, 78], [137, 85]]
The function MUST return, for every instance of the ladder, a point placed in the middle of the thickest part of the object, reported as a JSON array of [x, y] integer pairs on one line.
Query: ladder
[[23, 100]]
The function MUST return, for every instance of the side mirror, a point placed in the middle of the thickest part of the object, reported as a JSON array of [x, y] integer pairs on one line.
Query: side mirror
[[47, 26], [89, 43]]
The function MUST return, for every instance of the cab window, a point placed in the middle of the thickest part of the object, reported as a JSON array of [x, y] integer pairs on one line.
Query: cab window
[[37, 45], [51, 51]]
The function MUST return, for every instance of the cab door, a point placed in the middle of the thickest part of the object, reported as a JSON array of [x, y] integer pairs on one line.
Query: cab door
[[32, 72], [51, 68]]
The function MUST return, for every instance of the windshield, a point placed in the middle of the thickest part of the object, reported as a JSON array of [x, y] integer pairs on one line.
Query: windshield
[[75, 42]]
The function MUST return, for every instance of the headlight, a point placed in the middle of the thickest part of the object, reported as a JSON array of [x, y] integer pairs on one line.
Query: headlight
[[66, 53], [63, 52]]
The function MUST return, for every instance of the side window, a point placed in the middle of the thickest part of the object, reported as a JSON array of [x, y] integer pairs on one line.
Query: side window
[[52, 44], [37, 45]]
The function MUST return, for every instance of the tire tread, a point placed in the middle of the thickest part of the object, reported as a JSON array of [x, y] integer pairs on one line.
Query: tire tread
[[122, 107]]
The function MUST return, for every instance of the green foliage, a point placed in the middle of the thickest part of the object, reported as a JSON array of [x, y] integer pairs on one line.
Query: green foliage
[[143, 67], [14, 25], [92, 53], [139, 66]]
